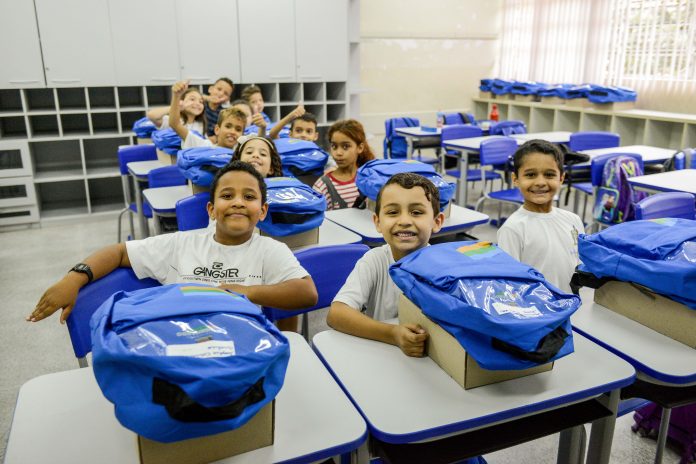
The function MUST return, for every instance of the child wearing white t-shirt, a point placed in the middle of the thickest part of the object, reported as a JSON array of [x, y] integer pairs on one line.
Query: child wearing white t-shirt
[[230, 256], [538, 234]]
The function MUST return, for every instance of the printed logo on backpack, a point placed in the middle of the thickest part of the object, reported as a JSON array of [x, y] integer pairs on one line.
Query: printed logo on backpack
[[293, 207], [186, 360], [200, 164], [301, 157]]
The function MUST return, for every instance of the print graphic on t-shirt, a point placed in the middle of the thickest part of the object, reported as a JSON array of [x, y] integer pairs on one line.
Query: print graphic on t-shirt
[[216, 273]]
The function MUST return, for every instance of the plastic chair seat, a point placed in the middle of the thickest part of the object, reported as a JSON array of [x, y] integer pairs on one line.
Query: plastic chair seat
[[474, 175], [508, 195], [147, 211]]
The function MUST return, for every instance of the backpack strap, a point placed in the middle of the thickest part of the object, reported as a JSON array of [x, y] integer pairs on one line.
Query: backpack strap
[[466, 119], [333, 193]]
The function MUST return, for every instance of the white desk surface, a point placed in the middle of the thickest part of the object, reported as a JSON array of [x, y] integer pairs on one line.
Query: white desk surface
[[683, 180], [472, 143], [64, 418], [360, 221], [418, 132], [648, 153], [553, 137], [163, 199], [140, 169], [407, 399], [650, 352]]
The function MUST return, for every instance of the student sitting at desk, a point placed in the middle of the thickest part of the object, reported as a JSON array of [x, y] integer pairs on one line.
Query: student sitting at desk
[[189, 112], [252, 94], [303, 126], [231, 255], [407, 212], [255, 124], [261, 153], [538, 234], [218, 98]]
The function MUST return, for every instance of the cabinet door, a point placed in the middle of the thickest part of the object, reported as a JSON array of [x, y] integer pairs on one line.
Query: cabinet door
[[220, 56], [267, 40], [20, 53], [322, 40], [145, 42], [76, 42]]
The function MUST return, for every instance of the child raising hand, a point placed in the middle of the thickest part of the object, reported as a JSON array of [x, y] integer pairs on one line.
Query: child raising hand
[[185, 113]]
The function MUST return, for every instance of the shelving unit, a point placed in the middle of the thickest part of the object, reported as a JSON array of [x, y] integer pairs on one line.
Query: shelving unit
[[636, 127]]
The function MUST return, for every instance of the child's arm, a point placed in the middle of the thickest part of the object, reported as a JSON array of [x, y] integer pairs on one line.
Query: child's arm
[[289, 294], [156, 114], [410, 338], [294, 114], [259, 122], [175, 123], [64, 293]]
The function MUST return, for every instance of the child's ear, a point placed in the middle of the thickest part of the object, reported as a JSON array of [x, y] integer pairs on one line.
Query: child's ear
[[515, 180], [563, 177], [375, 219], [361, 148], [264, 211], [211, 210], [438, 220], [216, 129]]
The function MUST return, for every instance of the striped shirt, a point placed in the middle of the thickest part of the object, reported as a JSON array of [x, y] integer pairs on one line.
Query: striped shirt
[[211, 116], [347, 190]]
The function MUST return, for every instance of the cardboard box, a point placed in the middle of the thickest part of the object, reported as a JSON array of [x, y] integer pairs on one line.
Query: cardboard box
[[195, 188], [526, 98], [553, 100], [657, 312], [165, 158], [147, 141], [579, 102], [450, 355], [372, 204], [615, 106], [483, 94], [256, 433], [310, 237]]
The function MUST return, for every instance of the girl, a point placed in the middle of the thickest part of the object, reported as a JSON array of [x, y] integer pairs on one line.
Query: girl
[[187, 104], [349, 149], [261, 153]]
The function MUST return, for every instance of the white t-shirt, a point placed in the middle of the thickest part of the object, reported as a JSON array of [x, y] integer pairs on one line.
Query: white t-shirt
[[546, 241], [195, 256], [195, 125], [369, 286], [192, 140]]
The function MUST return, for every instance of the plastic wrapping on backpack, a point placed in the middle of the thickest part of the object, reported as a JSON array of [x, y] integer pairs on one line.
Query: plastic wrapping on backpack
[[301, 157], [525, 88], [169, 141], [553, 90], [200, 164], [575, 91], [659, 254], [293, 207], [611, 94], [501, 86], [503, 312], [144, 128], [186, 360], [375, 173], [485, 85]]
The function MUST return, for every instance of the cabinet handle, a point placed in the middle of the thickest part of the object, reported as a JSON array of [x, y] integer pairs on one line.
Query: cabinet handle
[[280, 77], [163, 79], [312, 77], [65, 81], [207, 79], [25, 81]]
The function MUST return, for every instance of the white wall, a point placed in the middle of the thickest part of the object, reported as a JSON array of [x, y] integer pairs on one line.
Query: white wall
[[420, 57]]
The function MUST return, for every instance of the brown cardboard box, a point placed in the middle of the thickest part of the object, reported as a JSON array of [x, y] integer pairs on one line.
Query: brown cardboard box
[[165, 158], [371, 206], [526, 98], [489, 95], [147, 141], [615, 106], [579, 102], [256, 433], [197, 188], [449, 354], [657, 312], [310, 237], [553, 100]]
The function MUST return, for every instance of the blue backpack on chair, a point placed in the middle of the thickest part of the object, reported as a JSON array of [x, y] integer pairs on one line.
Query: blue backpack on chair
[[615, 201], [200, 164], [186, 360], [395, 146], [169, 141], [301, 157], [144, 128], [293, 207]]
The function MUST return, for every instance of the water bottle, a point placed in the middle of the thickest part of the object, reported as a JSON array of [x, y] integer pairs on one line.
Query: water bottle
[[440, 119], [494, 113]]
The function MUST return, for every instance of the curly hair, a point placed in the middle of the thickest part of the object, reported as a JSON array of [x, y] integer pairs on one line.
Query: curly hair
[[409, 180], [276, 165]]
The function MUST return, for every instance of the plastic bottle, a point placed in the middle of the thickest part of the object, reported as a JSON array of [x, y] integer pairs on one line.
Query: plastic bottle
[[440, 119], [494, 113]]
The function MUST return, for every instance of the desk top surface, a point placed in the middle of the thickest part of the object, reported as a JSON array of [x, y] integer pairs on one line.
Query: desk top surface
[[683, 180], [407, 399], [418, 131], [313, 421], [142, 168], [648, 351], [554, 137], [163, 199], [474, 143]]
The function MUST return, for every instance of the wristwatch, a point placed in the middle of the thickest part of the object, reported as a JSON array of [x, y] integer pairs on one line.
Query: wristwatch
[[82, 268]]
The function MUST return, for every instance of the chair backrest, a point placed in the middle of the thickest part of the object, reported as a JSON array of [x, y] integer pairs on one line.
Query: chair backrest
[[91, 296], [597, 165], [497, 150], [395, 145], [460, 131], [459, 118], [667, 205], [191, 212], [592, 140], [507, 128], [166, 176], [132, 153]]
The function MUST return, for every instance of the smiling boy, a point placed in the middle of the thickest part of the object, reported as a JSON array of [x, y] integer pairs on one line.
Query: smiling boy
[[229, 255], [406, 214], [538, 234]]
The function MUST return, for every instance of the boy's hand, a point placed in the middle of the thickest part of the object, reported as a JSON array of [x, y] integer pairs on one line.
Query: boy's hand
[[258, 120], [215, 100], [297, 112], [411, 339], [179, 88], [63, 294]]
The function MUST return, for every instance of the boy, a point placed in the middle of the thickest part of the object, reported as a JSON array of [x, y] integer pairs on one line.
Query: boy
[[407, 212], [252, 95], [303, 125], [254, 124], [230, 255], [538, 234], [218, 96]]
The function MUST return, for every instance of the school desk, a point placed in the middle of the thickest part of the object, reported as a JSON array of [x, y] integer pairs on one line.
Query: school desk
[[139, 171], [416, 137], [666, 369], [405, 400], [650, 155], [683, 180], [360, 222], [64, 418]]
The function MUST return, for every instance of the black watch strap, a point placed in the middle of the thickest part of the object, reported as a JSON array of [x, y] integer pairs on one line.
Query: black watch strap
[[83, 268]]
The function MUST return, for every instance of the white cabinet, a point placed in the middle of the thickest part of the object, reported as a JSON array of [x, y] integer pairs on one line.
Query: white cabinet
[[267, 40], [20, 53], [77, 47], [145, 41], [321, 29]]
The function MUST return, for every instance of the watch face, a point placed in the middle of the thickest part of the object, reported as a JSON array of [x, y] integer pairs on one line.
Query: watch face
[[81, 268]]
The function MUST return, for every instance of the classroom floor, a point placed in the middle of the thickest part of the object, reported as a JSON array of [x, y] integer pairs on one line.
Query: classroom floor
[[33, 259]]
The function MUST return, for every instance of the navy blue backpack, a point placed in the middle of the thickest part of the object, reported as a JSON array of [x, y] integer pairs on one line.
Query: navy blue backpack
[[525, 88], [659, 254], [375, 173], [200, 164], [186, 360], [144, 128], [293, 207], [485, 85], [501, 86], [553, 90], [395, 145], [611, 94], [503, 312], [575, 91], [301, 157]]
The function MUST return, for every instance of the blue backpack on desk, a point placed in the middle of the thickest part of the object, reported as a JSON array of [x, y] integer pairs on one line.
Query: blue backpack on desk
[[503, 312], [186, 360], [200, 164], [659, 254], [169, 141], [293, 207], [301, 157], [375, 173], [144, 128], [615, 200], [395, 145]]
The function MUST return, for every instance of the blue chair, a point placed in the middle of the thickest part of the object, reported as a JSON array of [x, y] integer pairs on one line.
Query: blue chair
[[590, 140], [341, 259], [507, 128], [166, 176], [192, 212], [395, 145], [130, 154], [667, 205], [496, 152], [91, 296]]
